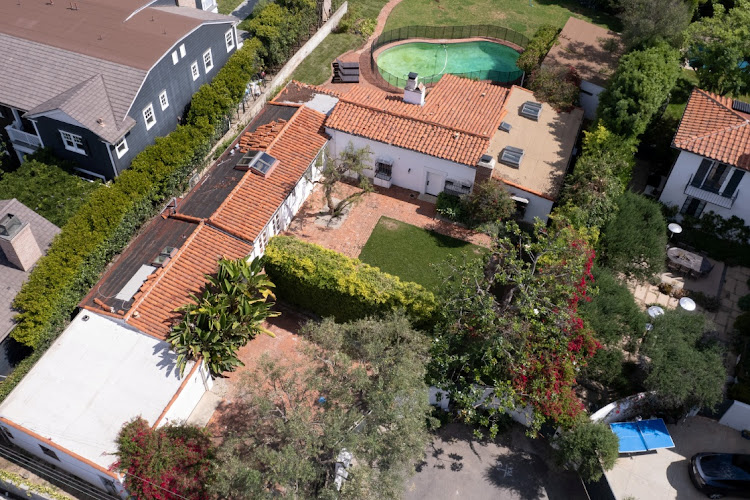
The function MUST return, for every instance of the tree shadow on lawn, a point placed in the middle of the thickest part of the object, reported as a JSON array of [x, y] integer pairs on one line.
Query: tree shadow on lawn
[[519, 472]]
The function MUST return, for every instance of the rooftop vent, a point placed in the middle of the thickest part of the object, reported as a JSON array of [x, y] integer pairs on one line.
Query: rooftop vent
[[414, 91], [486, 161], [10, 225], [741, 106], [512, 156], [531, 109], [505, 126], [18, 242], [259, 162]]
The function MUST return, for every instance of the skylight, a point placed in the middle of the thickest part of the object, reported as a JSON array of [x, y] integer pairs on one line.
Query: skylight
[[258, 161], [512, 156], [531, 109]]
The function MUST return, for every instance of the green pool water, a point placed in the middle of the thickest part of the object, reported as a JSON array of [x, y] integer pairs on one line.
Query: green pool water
[[479, 60]]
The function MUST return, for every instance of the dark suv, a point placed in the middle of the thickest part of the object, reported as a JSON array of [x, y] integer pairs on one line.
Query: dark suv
[[720, 474]]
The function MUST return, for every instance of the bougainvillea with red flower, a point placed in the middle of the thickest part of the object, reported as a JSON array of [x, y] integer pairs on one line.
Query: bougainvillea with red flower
[[511, 335], [159, 463]]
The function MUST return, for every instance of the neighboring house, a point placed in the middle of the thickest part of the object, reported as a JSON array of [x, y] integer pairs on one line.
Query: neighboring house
[[98, 80], [711, 170], [460, 133], [593, 52], [96, 376], [24, 237]]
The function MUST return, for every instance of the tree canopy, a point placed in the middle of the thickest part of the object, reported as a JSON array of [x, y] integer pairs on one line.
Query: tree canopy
[[686, 369], [363, 391], [634, 240], [638, 89], [718, 45], [648, 22], [589, 447], [350, 162]]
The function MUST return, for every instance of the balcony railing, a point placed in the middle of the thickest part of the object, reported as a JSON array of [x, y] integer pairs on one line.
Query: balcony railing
[[710, 196], [23, 138]]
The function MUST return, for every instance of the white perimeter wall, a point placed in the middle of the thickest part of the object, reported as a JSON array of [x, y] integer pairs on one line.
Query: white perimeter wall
[[589, 97], [286, 212], [404, 160], [686, 166], [66, 462], [188, 399], [538, 207], [737, 416]]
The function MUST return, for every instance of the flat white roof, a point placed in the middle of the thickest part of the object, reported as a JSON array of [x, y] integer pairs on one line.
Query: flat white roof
[[95, 377]]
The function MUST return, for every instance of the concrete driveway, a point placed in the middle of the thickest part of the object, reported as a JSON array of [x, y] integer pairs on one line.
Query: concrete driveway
[[663, 474], [457, 465]]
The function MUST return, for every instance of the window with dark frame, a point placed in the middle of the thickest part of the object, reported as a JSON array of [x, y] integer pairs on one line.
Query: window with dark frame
[[49, 452], [692, 207], [383, 170]]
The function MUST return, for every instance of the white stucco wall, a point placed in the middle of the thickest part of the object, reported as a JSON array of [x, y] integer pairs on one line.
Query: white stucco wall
[[737, 416], [410, 168], [538, 207], [189, 396], [66, 462], [589, 97], [686, 166]]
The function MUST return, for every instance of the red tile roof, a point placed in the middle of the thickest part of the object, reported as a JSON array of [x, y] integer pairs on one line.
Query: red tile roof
[[255, 199], [165, 291], [711, 128], [262, 137], [456, 122]]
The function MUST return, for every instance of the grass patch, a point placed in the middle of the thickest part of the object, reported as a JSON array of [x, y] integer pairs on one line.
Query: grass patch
[[226, 7], [412, 253], [517, 15]]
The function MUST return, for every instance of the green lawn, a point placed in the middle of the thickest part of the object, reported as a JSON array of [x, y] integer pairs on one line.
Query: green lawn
[[413, 253], [227, 6], [517, 15]]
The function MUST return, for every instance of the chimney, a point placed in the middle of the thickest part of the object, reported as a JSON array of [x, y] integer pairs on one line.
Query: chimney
[[414, 91], [18, 243], [485, 166]]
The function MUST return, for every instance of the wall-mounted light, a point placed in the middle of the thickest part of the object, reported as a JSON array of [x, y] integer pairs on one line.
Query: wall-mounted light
[[409, 171]]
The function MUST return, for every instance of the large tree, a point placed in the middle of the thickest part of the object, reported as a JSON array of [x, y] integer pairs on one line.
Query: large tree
[[685, 368], [634, 240], [648, 22], [228, 314], [510, 334], [718, 46], [350, 163], [589, 447], [363, 391], [638, 89]]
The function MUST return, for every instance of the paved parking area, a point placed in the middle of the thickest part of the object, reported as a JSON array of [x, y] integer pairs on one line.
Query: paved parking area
[[457, 465], [663, 474]]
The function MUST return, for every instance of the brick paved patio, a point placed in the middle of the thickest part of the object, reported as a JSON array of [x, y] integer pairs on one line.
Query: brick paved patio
[[396, 203]]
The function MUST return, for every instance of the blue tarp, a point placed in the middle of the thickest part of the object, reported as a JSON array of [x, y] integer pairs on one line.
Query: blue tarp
[[643, 435]]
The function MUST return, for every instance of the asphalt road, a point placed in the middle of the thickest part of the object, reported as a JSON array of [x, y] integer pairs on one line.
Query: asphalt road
[[457, 465]]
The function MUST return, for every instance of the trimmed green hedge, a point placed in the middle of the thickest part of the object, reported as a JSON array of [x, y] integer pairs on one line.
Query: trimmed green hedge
[[331, 284], [537, 48], [112, 215]]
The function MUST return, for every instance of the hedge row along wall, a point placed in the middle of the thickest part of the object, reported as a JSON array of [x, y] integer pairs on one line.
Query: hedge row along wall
[[331, 284]]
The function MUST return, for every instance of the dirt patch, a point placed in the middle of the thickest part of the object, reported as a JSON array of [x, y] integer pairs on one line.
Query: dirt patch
[[391, 225]]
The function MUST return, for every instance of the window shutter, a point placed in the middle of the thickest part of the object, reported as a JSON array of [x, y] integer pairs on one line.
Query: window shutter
[[701, 173], [733, 183]]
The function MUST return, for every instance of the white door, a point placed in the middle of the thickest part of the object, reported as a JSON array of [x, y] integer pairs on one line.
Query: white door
[[434, 183]]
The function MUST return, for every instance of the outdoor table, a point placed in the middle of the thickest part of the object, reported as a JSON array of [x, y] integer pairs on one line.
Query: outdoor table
[[689, 261]]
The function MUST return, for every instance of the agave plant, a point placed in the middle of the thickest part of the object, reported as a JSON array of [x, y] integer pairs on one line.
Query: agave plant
[[229, 313]]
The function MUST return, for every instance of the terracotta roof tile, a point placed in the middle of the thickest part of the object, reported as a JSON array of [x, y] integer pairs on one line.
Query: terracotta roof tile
[[255, 199], [153, 312], [456, 122], [262, 137], [711, 128]]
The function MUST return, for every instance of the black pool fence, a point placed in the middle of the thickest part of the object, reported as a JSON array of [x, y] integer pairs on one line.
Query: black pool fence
[[448, 33]]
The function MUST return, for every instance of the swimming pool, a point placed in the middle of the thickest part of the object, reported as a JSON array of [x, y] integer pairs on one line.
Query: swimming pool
[[480, 60]]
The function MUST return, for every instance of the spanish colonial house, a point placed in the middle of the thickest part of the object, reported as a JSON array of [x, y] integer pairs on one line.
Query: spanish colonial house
[[113, 362], [457, 134], [710, 172], [593, 52], [98, 80]]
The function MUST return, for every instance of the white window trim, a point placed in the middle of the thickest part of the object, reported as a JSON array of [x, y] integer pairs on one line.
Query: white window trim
[[211, 57], [182, 50], [153, 116], [229, 40], [71, 144], [195, 70], [175, 57], [120, 153], [163, 100]]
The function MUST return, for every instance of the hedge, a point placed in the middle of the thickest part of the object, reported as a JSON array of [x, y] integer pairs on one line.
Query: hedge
[[331, 284], [537, 48], [112, 215]]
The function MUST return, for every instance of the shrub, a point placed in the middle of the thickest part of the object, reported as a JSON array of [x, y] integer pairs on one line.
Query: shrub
[[740, 392], [450, 206], [537, 48], [590, 447], [489, 202], [557, 86], [331, 284], [47, 186], [742, 324], [744, 302]]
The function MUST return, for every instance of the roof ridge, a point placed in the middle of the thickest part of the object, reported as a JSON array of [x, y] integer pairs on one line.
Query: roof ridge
[[718, 131], [711, 95], [172, 262]]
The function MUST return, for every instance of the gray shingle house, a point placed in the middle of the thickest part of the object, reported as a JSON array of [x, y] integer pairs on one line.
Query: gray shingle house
[[98, 80]]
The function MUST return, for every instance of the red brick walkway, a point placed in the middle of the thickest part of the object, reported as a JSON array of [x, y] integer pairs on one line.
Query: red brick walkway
[[396, 203]]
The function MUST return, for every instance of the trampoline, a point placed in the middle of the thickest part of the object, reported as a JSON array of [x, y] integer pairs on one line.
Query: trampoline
[[644, 435]]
